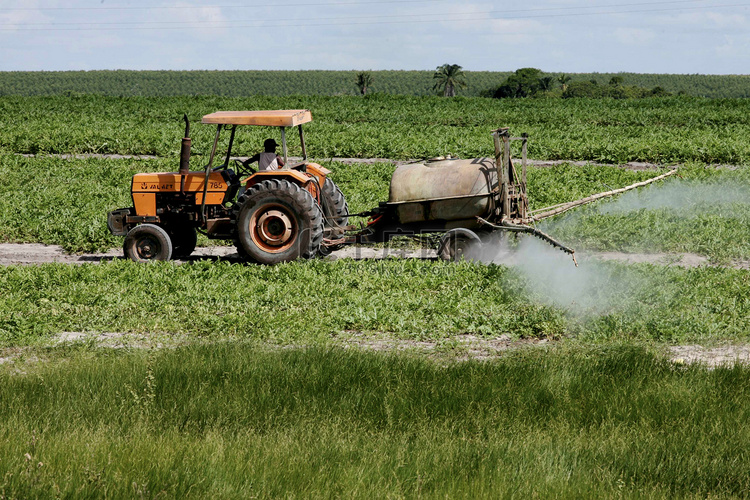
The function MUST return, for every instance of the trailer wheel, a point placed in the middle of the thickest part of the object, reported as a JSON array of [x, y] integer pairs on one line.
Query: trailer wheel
[[277, 221], [147, 242], [335, 203], [457, 244], [184, 239]]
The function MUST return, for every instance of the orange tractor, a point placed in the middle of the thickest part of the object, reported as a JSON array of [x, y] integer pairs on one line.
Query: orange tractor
[[272, 216]]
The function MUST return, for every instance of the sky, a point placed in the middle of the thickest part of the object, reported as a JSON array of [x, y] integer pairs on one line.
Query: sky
[[572, 36]]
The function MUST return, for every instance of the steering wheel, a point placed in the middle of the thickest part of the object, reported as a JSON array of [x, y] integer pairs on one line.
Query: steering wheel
[[242, 168]]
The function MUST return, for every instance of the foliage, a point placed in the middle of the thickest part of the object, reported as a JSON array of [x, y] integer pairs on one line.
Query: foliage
[[65, 202], [525, 82], [364, 81], [675, 129], [284, 83], [411, 298], [593, 90], [405, 298], [448, 78], [232, 420], [704, 212], [564, 80], [546, 83], [531, 82], [402, 298]]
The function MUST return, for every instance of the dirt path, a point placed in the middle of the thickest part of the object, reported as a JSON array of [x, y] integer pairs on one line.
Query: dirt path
[[36, 253], [451, 349], [634, 165]]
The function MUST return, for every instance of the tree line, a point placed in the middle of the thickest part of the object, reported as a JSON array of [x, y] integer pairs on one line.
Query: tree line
[[532, 82], [329, 83]]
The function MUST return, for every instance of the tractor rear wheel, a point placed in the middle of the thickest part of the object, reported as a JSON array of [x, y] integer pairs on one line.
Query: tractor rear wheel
[[184, 239], [458, 244], [147, 242], [277, 221], [336, 204]]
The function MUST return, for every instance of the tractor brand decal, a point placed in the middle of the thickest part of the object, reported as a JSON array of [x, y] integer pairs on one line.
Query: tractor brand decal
[[145, 186]]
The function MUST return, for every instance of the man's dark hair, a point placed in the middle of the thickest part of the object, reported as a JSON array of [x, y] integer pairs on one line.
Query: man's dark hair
[[269, 145]]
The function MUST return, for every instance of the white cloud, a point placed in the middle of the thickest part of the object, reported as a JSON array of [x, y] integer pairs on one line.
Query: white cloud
[[14, 17], [206, 21], [479, 35]]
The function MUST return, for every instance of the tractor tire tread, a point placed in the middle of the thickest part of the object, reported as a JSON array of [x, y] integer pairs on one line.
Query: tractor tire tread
[[292, 195]]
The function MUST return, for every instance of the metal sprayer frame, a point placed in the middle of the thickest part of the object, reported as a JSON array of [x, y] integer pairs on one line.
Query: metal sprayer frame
[[510, 191]]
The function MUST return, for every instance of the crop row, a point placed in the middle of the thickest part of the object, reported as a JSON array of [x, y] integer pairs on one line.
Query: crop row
[[657, 130], [65, 201], [251, 83], [315, 301]]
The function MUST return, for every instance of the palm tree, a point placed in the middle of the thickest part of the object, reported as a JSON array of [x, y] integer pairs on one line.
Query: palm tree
[[364, 80], [448, 77], [564, 79], [545, 83]]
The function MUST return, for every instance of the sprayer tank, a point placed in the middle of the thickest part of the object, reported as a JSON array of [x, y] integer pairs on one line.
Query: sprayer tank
[[449, 190]]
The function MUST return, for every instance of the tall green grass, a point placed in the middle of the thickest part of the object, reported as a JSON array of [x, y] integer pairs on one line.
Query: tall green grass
[[232, 420]]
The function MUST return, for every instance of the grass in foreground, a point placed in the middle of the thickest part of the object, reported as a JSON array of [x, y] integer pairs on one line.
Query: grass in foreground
[[232, 420]]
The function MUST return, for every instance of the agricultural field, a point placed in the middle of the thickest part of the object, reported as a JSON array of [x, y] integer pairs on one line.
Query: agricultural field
[[123, 83], [663, 130], [278, 380]]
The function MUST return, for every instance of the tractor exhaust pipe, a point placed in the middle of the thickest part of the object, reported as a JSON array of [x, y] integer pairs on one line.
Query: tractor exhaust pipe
[[185, 154]]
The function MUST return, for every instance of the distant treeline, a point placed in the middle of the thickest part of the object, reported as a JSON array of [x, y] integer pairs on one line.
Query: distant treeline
[[284, 83]]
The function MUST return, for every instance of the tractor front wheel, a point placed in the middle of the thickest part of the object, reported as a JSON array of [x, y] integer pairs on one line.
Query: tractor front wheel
[[147, 242], [277, 221]]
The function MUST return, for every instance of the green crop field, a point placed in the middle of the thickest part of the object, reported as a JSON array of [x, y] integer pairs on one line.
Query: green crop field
[[125, 83], [669, 130], [232, 379]]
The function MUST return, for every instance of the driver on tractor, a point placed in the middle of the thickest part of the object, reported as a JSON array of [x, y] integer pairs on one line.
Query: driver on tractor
[[267, 160]]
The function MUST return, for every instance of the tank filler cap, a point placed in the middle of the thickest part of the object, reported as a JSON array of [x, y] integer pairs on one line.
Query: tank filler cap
[[441, 158]]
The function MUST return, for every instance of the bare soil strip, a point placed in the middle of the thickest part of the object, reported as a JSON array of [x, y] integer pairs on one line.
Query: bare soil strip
[[634, 165], [453, 349], [36, 253]]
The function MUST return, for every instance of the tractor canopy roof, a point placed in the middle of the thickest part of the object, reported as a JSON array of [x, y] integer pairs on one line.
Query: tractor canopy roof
[[276, 118]]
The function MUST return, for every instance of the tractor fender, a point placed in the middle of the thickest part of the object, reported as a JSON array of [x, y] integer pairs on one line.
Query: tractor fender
[[302, 179]]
